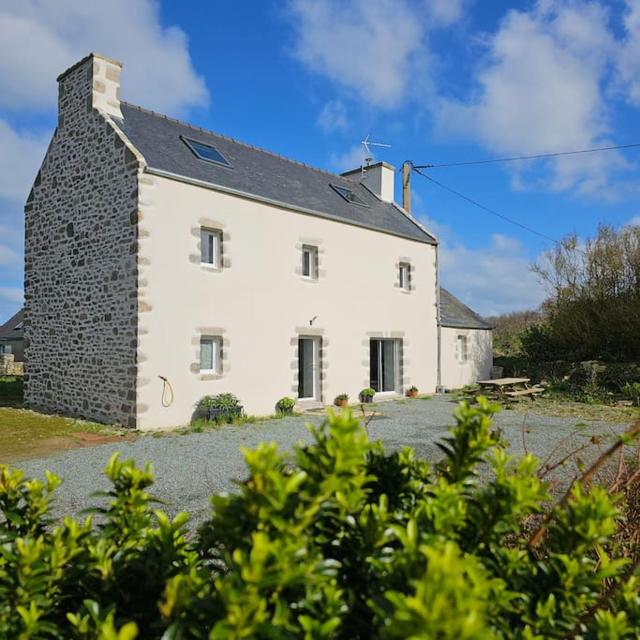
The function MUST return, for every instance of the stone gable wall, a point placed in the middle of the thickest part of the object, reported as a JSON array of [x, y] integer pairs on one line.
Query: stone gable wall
[[81, 263]]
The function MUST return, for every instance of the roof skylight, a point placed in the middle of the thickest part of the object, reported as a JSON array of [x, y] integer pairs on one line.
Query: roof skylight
[[206, 152], [348, 195]]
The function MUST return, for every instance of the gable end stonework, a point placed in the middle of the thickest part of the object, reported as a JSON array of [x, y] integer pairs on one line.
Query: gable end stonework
[[81, 228]]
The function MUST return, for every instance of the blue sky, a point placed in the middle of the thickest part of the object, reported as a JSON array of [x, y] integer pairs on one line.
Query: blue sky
[[439, 80]]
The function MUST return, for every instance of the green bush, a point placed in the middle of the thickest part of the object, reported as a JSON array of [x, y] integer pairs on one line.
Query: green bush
[[631, 391], [223, 401], [11, 390], [367, 392], [338, 540], [285, 405]]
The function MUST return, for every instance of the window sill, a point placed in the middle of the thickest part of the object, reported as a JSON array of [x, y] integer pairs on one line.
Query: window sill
[[210, 267], [308, 279], [210, 375]]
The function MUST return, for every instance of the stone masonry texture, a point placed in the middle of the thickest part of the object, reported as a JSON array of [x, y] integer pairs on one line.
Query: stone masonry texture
[[80, 263]]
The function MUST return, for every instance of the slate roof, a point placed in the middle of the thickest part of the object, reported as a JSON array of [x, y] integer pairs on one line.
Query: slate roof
[[457, 315], [260, 174], [8, 330]]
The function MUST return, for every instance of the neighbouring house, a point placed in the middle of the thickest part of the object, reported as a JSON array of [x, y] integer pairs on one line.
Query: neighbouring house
[[12, 337], [164, 262], [466, 343]]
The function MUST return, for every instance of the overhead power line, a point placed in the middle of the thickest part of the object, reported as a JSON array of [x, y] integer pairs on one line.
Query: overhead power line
[[483, 207], [534, 157]]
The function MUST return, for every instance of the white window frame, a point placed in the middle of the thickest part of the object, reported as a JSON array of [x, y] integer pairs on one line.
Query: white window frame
[[404, 276], [315, 368], [397, 375], [216, 247], [312, 252], [462, 348], [216, 354]]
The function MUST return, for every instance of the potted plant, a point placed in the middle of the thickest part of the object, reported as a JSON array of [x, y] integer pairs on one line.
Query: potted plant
[[224, 406], [412, 392], [285, 406], [342, 400], [366, 395]]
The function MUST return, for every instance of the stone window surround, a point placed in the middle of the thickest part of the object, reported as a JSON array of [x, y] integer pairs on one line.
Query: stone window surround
[[223, 353], [404, 261], [320, 271], [310, 332], [462, 348], [403, 380], [216, 349], [195, 258], [216, 234]]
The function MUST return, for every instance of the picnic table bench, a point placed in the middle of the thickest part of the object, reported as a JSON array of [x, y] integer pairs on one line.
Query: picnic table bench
[[505, 388]]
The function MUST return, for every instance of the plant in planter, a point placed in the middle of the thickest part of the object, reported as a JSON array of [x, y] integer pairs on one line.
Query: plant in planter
[[366, 395], [220, 408], [285, 406], [342, 400], [412, 392]]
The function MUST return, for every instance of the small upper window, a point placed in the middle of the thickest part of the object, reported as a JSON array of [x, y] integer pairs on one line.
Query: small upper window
[[310, 262], [348, 195], [404, 276], [461, 348], [210, 247], [206, 152], [19, 326]]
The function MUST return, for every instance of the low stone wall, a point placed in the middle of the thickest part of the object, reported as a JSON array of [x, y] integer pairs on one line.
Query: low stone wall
[[9, 367]]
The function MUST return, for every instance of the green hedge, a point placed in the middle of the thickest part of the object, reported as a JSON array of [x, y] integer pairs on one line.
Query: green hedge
[[338, 540]]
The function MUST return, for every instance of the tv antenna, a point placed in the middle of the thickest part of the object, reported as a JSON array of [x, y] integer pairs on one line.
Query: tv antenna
[[367, 143]]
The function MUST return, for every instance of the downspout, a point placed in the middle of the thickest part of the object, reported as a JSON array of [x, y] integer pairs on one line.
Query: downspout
[[406, 205], [439, 387]]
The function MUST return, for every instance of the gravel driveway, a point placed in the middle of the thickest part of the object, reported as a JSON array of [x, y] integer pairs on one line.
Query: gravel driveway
[[191, 467]]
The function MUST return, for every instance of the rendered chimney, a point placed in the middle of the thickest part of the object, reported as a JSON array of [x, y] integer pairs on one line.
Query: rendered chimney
[[91, 83], [378, 177]]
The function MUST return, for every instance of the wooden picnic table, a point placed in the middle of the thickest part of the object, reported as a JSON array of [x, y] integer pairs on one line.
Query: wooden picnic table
[[505, 388]]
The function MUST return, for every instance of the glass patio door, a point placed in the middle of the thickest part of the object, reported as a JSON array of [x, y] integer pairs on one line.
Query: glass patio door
[[383, 364], [308, 380]]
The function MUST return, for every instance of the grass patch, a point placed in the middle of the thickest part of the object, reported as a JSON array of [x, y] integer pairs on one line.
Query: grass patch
[[27, 434], [199, 425], [563, 408]]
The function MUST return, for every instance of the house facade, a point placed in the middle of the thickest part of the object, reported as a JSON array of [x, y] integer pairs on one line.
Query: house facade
[[164, 263], [12, 337], [466, 344]]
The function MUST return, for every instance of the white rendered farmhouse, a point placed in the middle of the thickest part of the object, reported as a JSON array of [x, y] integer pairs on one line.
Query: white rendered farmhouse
[[158, 253]]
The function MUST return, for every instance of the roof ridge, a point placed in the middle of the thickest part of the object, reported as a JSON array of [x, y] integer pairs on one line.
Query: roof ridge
[[235, 141]]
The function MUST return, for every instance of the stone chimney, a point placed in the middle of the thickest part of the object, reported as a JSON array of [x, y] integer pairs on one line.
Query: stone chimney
[[91, 83], [378, 177]]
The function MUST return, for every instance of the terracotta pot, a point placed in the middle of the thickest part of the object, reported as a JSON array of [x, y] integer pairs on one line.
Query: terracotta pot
[[412, 393], [341, 403]]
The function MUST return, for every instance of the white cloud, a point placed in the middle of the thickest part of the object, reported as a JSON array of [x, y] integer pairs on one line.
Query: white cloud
[[443, 13], [628, 62], [350, 159], [333, 117], [8, 256], [540, 90], [366, 47], [20, 156], [40, 39], [493, 279], [10, 300], [11, 294], [634, 222]]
